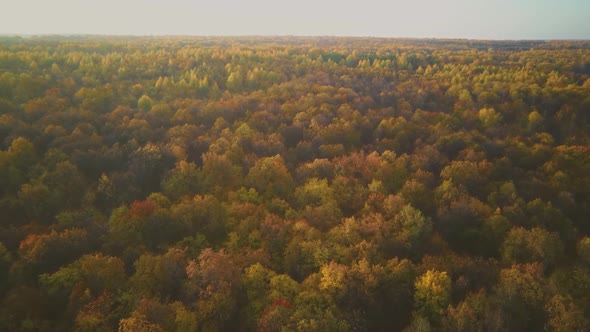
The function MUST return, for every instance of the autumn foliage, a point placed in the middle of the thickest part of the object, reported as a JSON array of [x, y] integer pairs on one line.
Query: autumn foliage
[[294, 184]]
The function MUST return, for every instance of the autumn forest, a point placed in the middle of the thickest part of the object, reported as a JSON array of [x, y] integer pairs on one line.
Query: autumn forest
[[294, 184]]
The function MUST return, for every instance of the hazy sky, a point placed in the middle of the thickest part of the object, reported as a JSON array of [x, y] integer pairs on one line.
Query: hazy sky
[[483, 19]]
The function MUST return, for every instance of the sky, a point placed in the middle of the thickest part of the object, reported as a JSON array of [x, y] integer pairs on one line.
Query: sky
[[472, 19]]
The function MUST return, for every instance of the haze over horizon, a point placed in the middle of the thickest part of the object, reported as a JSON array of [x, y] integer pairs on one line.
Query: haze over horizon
[[475, 19]]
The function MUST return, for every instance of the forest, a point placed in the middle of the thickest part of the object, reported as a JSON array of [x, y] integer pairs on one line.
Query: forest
[[294, 184]]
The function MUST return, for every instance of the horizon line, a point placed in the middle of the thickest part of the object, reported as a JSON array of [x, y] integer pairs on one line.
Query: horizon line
[[29, 35]]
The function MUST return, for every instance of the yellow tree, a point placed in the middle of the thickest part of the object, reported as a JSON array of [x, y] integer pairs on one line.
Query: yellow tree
[[432, 296]]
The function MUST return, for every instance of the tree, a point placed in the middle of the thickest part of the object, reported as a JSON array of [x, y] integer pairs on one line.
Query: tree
[[159, 276], [275, 317], [282, 287], [461, 221], [411, 227], [103, 273], [137, 323], [432, 295], [536, 245], [522, 296], [469, 174], [334, 279], [5, 262], [535, 120], [183, 180], [256, 280], [157, 313], [145, 103], [91, 275], [202, 214], [47, 252], [213, 281], [315, 192], [489, 117], [100, 314], [475, 313], [270, 177], [418, 194], [234, 81], [310, 305], [16, 162], [160, 115], [219, 172], [565, 316], [584, 250]]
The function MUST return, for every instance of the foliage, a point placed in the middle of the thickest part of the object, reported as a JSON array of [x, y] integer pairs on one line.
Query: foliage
[[294, 183]]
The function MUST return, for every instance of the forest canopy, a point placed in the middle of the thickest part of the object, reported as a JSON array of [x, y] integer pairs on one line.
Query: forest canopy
[[294, 184]]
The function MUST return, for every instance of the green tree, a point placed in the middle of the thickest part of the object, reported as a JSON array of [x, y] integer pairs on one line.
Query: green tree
[[145, 103], [412, 227], [270, 177], [256, 281]]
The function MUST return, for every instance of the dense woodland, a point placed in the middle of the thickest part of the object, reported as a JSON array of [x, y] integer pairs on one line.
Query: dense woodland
[[294, 184]]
